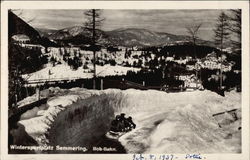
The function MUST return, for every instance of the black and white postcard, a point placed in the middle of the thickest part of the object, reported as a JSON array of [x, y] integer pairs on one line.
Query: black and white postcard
[[129, 80]]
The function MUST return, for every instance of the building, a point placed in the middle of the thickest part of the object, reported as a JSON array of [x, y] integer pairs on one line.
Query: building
[[21, 38], [191, 81]]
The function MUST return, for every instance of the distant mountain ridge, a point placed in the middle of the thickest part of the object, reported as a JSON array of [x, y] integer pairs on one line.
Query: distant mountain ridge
[[44, 32], [142, 37], [120, 37], [78, 35], [67, 33]]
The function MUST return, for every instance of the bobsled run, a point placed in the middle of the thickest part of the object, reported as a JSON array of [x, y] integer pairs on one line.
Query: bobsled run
[[182, 122]]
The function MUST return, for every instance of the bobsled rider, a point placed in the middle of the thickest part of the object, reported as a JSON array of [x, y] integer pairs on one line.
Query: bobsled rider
[[115, 124], [122, 124], [129, 124]]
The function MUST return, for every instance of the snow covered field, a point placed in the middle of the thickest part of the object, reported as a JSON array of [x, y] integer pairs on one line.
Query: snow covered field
[[63, 71], [166, 122]]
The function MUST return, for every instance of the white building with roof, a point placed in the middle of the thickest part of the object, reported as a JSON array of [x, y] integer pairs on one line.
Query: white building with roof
[[21, 38]]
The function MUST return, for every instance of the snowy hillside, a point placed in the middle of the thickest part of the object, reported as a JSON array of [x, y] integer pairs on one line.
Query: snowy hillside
[[142, 37], [68, 32], [65, 72], [166, 122]]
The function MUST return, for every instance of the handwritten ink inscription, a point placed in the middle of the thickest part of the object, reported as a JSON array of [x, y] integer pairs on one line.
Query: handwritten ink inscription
[[153, 157], [166, 157]]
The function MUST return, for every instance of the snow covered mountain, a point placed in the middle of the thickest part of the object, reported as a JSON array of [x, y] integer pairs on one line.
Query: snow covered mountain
[[120, 37], [142, 37], [68, 32], [44, 32]]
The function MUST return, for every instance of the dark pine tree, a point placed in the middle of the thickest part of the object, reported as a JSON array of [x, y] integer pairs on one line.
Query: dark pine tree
[[222, 33], [235, 20], [92, 23]]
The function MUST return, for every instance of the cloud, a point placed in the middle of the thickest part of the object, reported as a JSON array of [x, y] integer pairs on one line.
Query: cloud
[[171, 21]]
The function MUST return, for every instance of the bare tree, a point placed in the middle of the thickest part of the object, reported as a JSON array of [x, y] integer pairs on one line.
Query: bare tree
[[92, 23], [193, 33], [222, 32], [20, 13]]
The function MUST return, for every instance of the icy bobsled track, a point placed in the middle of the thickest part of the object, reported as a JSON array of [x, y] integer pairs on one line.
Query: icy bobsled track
[[166, 122]]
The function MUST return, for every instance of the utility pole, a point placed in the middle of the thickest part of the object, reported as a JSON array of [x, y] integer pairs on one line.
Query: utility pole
[[221, 49], [94, 49], [221, 78]]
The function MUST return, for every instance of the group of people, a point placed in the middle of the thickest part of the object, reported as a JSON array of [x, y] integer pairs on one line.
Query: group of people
[[122, 124]]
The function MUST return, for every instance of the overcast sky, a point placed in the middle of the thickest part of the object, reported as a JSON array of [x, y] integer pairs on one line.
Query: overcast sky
[[170, 21]]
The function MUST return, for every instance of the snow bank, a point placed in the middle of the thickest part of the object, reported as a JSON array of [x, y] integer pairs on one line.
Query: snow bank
[[183, 123], [166, 122]]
